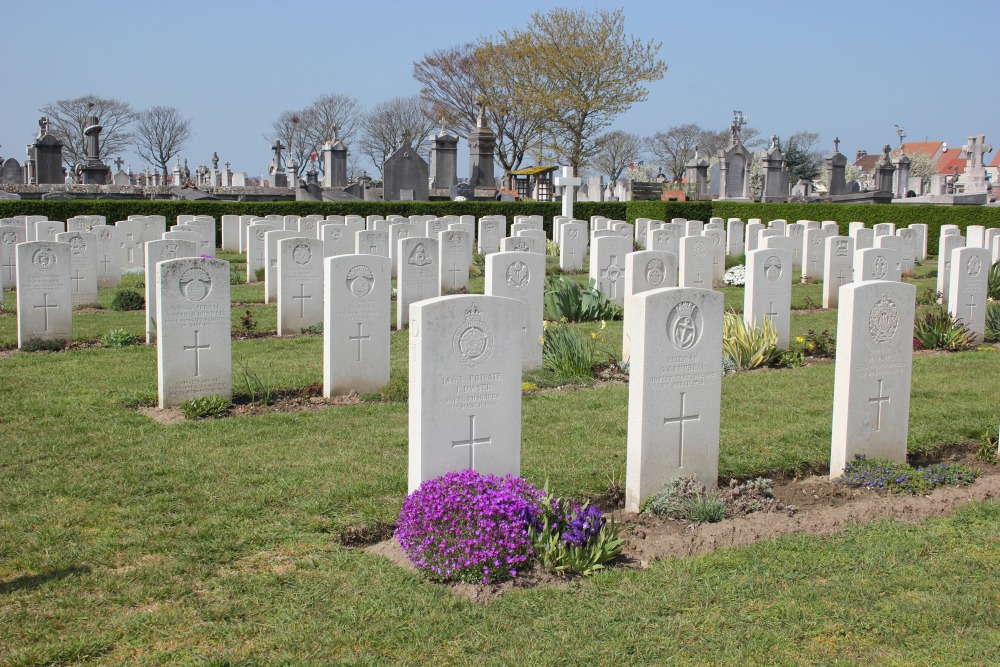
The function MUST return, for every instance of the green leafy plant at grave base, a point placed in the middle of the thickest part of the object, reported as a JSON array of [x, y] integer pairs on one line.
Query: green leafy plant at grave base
[[258, 389], [808, 303], [248, 323], [569, 353], [728, 366], [119, 338], [236, 277], [993, 282], [573, 539], [938, 330], [899, 477], [685, 498], [706, 509], [791, 359], [993, 321], [44, 345], [747, 346], [128, 299], [822, 344], [314, 329], [205, 407], [987, 449], [566, 300], [928, 297], [528, 387], [672, 500], [551, 248], [258, 274]]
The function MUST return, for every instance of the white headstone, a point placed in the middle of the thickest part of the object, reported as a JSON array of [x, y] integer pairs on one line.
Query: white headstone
[[356, 324], [812, 254], [454, 249], [876, 264], [256, 243], [645, 270], [108, 259], [46, 230], [920, 231], [947, 244], [522, 244], [967, 288], [489, 235], [884, 229], [10, 237], [752, 232], [158, 251], [521, 276], [871, 395], [908, 250], [372, 242], [572, 245], [694, 262], [300, 284], [675, 390], [193, 348], [271, 261], [768, 291], [607, 265], [231, 233], [418, 275], [838, 267], [44, 297], [338, 239], [465, 386], [400, 230], [716, 236], [795, 232], [83, 266], [864, 237], [734, 237]]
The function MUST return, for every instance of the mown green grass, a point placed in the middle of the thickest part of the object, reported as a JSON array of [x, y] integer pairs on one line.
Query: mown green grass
[[123, 541]]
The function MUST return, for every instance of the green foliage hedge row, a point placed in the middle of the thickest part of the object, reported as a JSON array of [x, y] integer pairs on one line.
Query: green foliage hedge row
[[901, 215]]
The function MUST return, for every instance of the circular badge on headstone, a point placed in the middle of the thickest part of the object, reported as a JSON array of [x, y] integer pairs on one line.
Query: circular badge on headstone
[[684, 325], [700, 249], [195, 284], [455, 240], [623, 231], [8, 237], [574, 233], [44, 259], [490, 227], [360, 280], [884, 320], [104, 235], [77, 245], [880, 266], [473, 341], [655, 272], [974, 266], [517, 275], [772, 268], [301, 253]]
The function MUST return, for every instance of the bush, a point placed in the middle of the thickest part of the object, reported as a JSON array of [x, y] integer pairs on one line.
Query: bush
[[993, 321], [572, 538], [205, 407], [822, 344], [899, 477], [44, 345], [468, 527], [938, 330], [119, 338], [566, 300], [569, 353], [749, 347], [128, 299]]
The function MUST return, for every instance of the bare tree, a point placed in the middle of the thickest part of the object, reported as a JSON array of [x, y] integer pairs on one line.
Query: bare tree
[[675, 147], [160, 134], [304, 131], [395, 123], [616, 150], [68, 119]]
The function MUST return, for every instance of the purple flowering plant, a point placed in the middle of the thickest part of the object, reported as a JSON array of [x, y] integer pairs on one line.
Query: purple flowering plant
[[464, 526], [571, 538]]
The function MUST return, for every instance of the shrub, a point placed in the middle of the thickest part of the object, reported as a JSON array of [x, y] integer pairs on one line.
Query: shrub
[[749, 347], [43, 345], [993, 282], [464, 526], [248, 323], [313, 329], [993, 320], [569, 353], [205, 407], [128, 299], [899, 477], [938, 330], [706, 509], [685, 498], [728, 366], [259, 274], [119, 338], [822, 344], [671, 500], [928, 297], [572, 538], [566, 300]]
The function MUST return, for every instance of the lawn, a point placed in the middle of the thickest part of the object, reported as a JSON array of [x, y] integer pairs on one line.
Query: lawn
[[124, 541]]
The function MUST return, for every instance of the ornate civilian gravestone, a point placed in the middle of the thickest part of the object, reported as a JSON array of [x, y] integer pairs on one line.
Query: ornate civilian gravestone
[[300, 284], [871, 395], [675, 390], [838, 269], [521, 276], [876, 264], [572, 246], [645, 270], [465, 386], [607, 265], [156, 252], [418, 275], [83, 268], [44, 297], [193, 348], [967, 288], [356, 324], [694, 262], [768, 291]]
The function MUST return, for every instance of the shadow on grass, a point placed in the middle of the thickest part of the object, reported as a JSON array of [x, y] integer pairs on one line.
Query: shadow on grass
[[36, 580]]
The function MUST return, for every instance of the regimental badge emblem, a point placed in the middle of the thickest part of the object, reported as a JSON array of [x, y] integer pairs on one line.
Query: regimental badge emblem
[[655, 272], [880, 267], [419, 256], [44, 259], [104, 235], [260, 234], [521, 246], [884, 320], [301, 253], [9, 237], [77, 245], [772, 268], [574, 233], [170, 251], [700, 249], [490, 227], [623, 231], [974, 266], [517, 275], [334, 234], [195, 284], [360, 280], [842, 248], [684, 325], [473, 341], [455, 240]]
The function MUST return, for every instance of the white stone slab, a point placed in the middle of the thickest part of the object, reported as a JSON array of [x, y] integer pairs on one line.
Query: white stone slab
[[46, 230], [812, 255], [795, 232], [920, 230], [947, 244], [418, 275], [675, 390], [158, 251], [734, 237], [454, 250], [44, 296], [256, 244], [300, 284], [694, 262], [231, 233], [108, 256], [338, 239], [871, 395], [768, 291], [607, 265], [83, 266], [572, 245], [864, 237], [967, 288], [10, 237], [193, 348], [521, 276], [693, 227], [372, 242], [465, 386], [975, 236], [665, 238], [271, 261], [645, 270], [908, 250], [876, 264], [751, 233], [522, 244], [717, 237], [489, 235]]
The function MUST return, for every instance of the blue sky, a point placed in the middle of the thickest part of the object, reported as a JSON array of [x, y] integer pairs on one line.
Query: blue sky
[[849, 69]]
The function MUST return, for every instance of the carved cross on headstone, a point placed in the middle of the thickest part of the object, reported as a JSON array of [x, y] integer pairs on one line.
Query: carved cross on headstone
[[197, 348], [878, 400], [472, 442], [45, 308], [679, 420], [301, 297], [360, 339]]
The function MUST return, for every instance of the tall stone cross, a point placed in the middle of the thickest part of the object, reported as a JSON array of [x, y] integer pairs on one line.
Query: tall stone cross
[[119, 162], [976, 148], [569, 183]]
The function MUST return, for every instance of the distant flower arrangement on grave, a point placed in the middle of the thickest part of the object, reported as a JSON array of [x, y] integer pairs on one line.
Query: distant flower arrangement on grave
[[736, 276]]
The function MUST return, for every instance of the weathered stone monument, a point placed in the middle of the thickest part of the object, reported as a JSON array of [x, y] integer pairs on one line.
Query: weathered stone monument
[[482, 145], [405, 176], [92, 171]]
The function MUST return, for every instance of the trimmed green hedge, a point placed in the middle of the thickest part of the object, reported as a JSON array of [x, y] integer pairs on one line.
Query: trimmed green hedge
[[900, 214]]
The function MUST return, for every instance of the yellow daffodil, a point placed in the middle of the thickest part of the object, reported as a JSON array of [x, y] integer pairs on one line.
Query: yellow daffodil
[[800, 339], [593, 335]]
